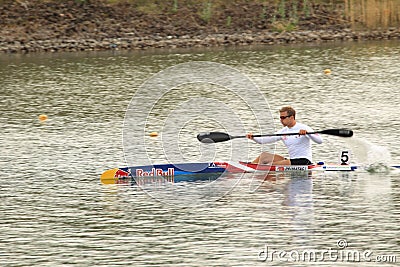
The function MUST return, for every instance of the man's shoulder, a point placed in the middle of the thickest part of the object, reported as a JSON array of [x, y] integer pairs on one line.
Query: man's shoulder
[[299, 125], [305, 126]]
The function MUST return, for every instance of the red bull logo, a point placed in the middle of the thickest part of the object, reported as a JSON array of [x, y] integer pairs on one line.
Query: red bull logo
[[155, 172], [121, 174]]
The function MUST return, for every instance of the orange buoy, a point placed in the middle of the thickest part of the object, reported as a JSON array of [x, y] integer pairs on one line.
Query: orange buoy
[[43, 117], [153, 134], [327, 71]]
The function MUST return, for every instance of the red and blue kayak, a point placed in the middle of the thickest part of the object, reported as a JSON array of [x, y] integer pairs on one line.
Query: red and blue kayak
[[177, 172]]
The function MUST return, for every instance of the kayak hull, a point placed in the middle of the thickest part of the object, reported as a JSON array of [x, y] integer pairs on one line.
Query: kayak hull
[[172, 172]]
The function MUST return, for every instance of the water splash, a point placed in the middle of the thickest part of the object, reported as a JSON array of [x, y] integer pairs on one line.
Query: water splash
[[373, 158]]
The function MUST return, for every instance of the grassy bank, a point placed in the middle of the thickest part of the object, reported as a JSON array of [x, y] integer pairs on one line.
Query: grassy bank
[[370, 14], [284, 16], [58, 25]]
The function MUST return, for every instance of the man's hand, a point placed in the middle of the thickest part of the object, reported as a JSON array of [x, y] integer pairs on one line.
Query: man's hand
[[250, 136], [302, 132]]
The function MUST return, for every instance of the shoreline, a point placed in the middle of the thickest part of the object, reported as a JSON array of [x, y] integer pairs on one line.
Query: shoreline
[[185, 41], [99, 25]]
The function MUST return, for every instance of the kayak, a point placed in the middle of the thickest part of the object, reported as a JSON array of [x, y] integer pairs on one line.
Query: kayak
[[172, 172]]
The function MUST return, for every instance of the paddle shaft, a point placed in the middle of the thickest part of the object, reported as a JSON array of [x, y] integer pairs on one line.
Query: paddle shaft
[[264, 135]]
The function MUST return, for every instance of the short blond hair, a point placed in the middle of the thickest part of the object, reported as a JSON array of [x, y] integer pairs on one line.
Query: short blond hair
[[290, 111]]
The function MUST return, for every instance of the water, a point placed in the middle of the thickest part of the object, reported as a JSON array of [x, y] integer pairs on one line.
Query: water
[[55, 212]]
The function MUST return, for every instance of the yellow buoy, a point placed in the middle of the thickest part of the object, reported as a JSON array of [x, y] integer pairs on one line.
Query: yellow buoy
[[327, 71], [153, 134], [43, 117], [108, 177]]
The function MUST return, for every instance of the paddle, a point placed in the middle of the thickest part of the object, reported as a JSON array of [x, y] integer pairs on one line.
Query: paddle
[[215, 137]]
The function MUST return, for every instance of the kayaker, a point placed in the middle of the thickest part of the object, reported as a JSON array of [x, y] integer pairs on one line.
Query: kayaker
[[299, 146]]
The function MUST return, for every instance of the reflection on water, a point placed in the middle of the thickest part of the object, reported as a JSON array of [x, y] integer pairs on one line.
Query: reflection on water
[[55, 212]]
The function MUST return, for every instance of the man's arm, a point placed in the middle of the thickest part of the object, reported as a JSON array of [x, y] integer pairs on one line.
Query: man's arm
[[264, 139]]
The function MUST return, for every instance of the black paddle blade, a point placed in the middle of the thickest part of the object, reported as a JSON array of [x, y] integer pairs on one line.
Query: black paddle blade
[[338, 132], [213, 137]]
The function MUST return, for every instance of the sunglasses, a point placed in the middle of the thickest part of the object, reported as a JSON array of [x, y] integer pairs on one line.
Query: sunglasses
[[284, 117]]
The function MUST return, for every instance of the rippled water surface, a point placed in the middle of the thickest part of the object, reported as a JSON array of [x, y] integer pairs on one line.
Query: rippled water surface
[[55, 211]]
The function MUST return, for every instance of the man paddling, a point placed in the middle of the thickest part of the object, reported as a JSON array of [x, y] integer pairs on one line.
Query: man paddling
[[299, 146]]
